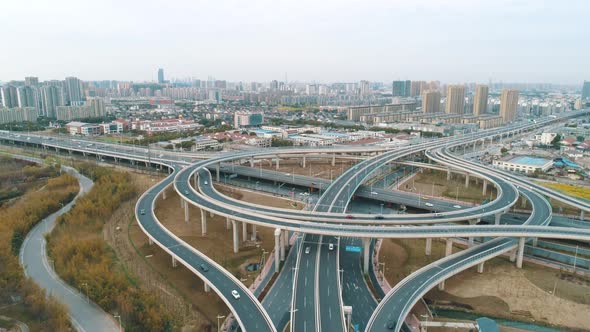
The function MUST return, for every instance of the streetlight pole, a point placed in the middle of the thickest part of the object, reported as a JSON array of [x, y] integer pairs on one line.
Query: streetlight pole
[[120, 324], [218, 318]]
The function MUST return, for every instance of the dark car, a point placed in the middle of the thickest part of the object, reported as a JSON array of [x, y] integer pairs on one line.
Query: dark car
[[390, 324], [379, 217], [203, 267], [349, 217]]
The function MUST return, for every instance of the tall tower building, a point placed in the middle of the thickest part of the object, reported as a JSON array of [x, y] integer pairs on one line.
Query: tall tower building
[[161, 76], [365, 88], [480, 102], [9, 96], [586, 90], [455, 99], [32, 81], [73, 90], [508, 104], [51, 97], [401, 88], [26, 96], [430, 101]]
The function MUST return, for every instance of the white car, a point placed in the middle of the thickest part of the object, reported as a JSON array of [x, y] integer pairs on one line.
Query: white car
[[307, 249], [373, 193], [206, 183], [235, 294], [429, 204], [457, 206], [331, 246]]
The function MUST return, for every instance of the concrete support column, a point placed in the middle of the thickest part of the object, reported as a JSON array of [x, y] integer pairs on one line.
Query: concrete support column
[[582, 215], [428, 249], [535, 242], [333, 159], [203, 222], [282, 243], [485, 187], [211, 214], [173, 261], [251, 162], [217, 170], [150, 241], [253, 236], [480, 267], [195, 180], [277, 162], [470, 241], [497, 218], [186, 215], [448, 174], [181, 202], [207, 288], [449, 247], [244, 232], [286, 239], [523, 202], [277, 249], [513, 255], [303, 162], [466, 180], [227, 223], [164, 194], [520, 256], [236, 237], [366, 253]]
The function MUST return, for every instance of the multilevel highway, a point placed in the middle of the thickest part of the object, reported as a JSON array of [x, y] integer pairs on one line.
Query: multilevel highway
[[248, 311]]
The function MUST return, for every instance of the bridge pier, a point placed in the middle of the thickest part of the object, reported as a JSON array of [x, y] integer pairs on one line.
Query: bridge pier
[[485, 187], [513, 255], [333, 159], [428, 249], [497, 217], [203, 222], [286, 239], [244, 232], [448, 174], [303, 162], [535, 242], [581, 214], [181, 201], [150, 241], [449, 247], [186, 214], [195, 184], [164, 194], [207, 288], [235, 236], [520, 257], [467, 180], [277, 249], [174, 263], [277, 163], [217, 171], [227, 223], [251, 161], [480, 267], [253, 236], [366, 253]]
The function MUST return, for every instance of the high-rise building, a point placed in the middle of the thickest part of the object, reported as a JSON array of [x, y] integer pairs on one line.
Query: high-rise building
[[32, 81], [455, 99], [480, 102], [51, 98], [18, 114], [365, 89], [98, 108], [417, 87], [26, 96], [401, 88], [508, 104], [73, 91], [311, 89], [161, 76], [430, 101], [274, 85], [586, 90], [9, 96], [247, 119]]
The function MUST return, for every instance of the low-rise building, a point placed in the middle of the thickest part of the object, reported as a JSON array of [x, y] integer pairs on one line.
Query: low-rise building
[[83, 128], [525, 164]]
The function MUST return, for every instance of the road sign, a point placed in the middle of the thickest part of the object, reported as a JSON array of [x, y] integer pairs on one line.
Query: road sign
[[353, 249]]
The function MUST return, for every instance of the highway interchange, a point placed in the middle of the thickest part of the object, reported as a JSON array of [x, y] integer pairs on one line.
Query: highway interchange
[[317, 302]]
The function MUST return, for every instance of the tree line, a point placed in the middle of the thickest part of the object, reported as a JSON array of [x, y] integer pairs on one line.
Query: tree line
[[84, 260], [16, 221]]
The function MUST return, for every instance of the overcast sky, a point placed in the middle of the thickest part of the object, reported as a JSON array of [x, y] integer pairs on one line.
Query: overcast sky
[[311, 40]]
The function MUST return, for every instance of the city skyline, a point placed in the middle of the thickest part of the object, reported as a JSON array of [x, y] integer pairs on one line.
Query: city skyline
[[308, 42]]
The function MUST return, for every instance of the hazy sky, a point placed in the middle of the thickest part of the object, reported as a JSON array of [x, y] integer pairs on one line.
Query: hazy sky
[[319, 40]]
